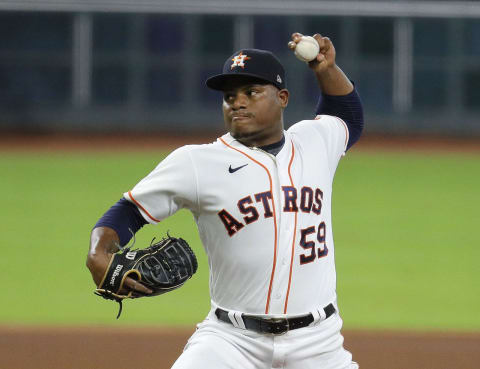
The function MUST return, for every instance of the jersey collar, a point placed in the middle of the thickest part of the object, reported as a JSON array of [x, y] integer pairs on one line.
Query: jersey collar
[[229, 139]]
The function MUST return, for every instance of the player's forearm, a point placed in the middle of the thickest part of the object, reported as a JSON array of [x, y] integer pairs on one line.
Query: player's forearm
[[103, 240], [333, 81], [103, 243]]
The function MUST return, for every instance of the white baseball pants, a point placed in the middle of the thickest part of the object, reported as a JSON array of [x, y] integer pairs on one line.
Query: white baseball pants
[[219, 345]]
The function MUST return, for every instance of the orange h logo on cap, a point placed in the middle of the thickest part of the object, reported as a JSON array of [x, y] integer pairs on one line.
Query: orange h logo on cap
[[239, 60]]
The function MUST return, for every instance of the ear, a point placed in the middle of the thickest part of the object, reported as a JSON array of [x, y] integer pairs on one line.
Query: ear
[[283, 97]]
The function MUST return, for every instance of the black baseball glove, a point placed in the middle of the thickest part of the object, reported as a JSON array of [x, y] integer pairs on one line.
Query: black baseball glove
[[162, 267]]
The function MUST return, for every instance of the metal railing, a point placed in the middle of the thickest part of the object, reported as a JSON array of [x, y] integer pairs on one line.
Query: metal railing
[[437, 9]]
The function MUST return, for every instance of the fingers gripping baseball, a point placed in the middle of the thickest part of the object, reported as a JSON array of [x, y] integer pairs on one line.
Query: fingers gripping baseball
[[326, 54]]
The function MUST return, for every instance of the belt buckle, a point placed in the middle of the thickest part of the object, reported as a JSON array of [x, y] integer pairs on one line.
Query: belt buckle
[[280, 325]]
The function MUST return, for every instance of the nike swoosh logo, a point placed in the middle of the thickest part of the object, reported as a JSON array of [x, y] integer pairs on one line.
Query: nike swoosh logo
[[233, 170]]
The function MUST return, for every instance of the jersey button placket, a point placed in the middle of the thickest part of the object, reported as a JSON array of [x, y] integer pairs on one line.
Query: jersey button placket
[[284, 242], [286, 238], [277, 195]]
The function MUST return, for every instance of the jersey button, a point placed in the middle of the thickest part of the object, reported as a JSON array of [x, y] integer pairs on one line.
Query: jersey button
[[278, 296]]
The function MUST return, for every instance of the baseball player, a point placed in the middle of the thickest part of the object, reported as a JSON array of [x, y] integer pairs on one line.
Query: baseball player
[[261, 199]]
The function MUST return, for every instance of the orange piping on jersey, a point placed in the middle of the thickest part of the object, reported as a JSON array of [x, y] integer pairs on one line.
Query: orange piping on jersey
[[346, 130], [294, 234], [267, 306], [141, 207]]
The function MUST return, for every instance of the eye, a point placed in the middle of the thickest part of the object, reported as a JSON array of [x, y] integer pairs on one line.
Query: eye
[[228, 97], [252, 92]]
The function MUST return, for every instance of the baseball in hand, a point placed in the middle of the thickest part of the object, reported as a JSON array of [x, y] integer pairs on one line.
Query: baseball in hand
[[307, 49]]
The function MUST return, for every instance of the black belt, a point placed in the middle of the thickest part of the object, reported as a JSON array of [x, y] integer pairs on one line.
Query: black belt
[[274, 325]]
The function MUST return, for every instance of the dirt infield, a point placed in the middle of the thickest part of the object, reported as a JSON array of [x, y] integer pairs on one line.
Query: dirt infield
[[123, 348]]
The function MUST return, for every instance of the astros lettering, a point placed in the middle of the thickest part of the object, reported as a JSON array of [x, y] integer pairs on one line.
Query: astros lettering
[[306, 200]]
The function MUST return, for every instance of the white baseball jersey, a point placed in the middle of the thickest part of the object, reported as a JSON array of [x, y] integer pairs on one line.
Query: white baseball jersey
[[265, 221]]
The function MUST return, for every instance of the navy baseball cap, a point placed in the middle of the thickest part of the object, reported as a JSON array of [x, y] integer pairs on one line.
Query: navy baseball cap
[[257, 64]]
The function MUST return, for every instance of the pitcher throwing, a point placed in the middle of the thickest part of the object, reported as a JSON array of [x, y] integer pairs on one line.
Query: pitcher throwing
[[261, 198]]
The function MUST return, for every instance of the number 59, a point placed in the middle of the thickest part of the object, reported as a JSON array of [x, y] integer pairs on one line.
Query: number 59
[[321, 251]]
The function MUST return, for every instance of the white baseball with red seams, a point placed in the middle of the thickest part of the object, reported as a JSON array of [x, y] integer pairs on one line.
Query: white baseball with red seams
[[307, 49], [264, 221]]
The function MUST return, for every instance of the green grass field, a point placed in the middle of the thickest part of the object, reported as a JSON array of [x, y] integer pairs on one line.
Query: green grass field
[[405, 225]]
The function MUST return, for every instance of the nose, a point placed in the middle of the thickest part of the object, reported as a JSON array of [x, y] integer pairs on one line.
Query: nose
[[240, 101]]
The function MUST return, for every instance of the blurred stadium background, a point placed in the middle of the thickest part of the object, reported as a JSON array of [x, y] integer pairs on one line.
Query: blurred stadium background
[[117, 65], [409, 261]]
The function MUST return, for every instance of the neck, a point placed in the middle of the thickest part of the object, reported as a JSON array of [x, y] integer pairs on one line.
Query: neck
[[260, 142], [262, 138]]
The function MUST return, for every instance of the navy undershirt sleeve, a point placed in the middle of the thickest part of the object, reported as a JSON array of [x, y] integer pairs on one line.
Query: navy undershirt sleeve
[[348, 108], [123, 217]]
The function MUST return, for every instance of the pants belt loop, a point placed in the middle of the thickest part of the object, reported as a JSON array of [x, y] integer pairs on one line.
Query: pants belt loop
[[236, 319], [316, 317], [322, 313]]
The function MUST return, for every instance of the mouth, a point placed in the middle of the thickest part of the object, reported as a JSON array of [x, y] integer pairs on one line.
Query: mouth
[[240, 116]]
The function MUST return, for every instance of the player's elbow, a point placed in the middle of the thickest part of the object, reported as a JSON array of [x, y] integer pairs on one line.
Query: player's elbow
[[90, 261]]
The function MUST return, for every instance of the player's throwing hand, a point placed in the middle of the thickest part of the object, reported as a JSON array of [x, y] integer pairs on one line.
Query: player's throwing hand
[[326, 56]]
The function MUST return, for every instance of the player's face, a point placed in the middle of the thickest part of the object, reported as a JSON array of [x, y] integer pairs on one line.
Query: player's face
[[253, 112]]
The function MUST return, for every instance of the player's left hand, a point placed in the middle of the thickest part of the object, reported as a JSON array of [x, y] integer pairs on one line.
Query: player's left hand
[[326, 56], [162, 267]]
